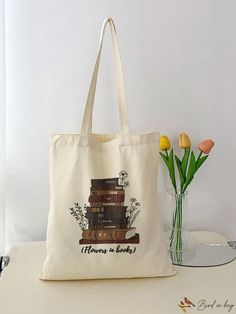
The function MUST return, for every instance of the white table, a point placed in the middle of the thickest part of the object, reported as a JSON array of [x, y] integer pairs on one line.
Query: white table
[[22, 292]]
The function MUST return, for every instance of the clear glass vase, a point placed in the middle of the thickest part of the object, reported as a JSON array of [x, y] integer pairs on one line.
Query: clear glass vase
[[179, 238]]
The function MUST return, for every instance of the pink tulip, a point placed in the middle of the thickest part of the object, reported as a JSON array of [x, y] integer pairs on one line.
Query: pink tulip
[[206, 146]]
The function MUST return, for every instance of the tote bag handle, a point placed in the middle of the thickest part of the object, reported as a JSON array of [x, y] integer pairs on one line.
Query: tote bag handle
[[86, 128]]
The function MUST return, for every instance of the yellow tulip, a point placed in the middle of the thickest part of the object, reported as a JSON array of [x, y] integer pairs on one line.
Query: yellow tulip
[[164, 143], [184, 141]]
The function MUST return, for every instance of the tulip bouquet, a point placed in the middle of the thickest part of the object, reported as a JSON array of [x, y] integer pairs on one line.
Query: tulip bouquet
[[187, 166]]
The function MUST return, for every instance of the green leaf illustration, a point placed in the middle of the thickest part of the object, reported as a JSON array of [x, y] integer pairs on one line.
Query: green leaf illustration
[[199, 162], [133, 218]]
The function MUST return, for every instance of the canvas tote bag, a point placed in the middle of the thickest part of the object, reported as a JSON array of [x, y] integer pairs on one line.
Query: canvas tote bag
[[104, 220]]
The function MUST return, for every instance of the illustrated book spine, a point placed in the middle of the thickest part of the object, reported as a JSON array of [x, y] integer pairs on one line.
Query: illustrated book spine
[[109, 234], [107, 188], [105, 182], [119, 198]]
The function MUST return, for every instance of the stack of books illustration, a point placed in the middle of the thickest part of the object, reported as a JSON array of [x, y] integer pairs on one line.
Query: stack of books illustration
[[107, 216]]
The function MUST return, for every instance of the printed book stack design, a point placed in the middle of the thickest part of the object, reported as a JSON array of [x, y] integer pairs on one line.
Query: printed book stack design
[[107, 217]]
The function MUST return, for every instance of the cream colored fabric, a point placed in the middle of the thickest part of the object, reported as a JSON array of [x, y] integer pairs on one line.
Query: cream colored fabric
[[74, 161], [21, 292]]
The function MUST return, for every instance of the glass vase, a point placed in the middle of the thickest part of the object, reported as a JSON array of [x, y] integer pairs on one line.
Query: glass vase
[[179, 238]]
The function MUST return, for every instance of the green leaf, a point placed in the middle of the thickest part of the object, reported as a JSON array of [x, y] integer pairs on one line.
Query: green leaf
[[199, 162], [169, 161], [166, 159], [181, 177], [190, 172], [184, 163], [172, 168]]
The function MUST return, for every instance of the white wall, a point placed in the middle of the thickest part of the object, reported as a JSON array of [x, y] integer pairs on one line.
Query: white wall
[[179, 64]]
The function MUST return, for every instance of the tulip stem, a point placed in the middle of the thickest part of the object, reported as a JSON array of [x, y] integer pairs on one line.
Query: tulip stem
[[199, 156], [166, 153]]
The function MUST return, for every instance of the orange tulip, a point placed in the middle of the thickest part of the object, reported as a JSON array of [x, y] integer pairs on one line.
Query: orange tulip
[[206, 146]]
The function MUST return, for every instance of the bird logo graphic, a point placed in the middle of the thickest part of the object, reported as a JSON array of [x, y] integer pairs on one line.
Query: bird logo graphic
[[186, 304]]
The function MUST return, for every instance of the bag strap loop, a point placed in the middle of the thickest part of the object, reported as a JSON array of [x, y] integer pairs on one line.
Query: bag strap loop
[[86, 128]]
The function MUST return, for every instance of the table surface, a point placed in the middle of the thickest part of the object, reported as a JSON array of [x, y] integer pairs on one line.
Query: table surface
[[22, 292]]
